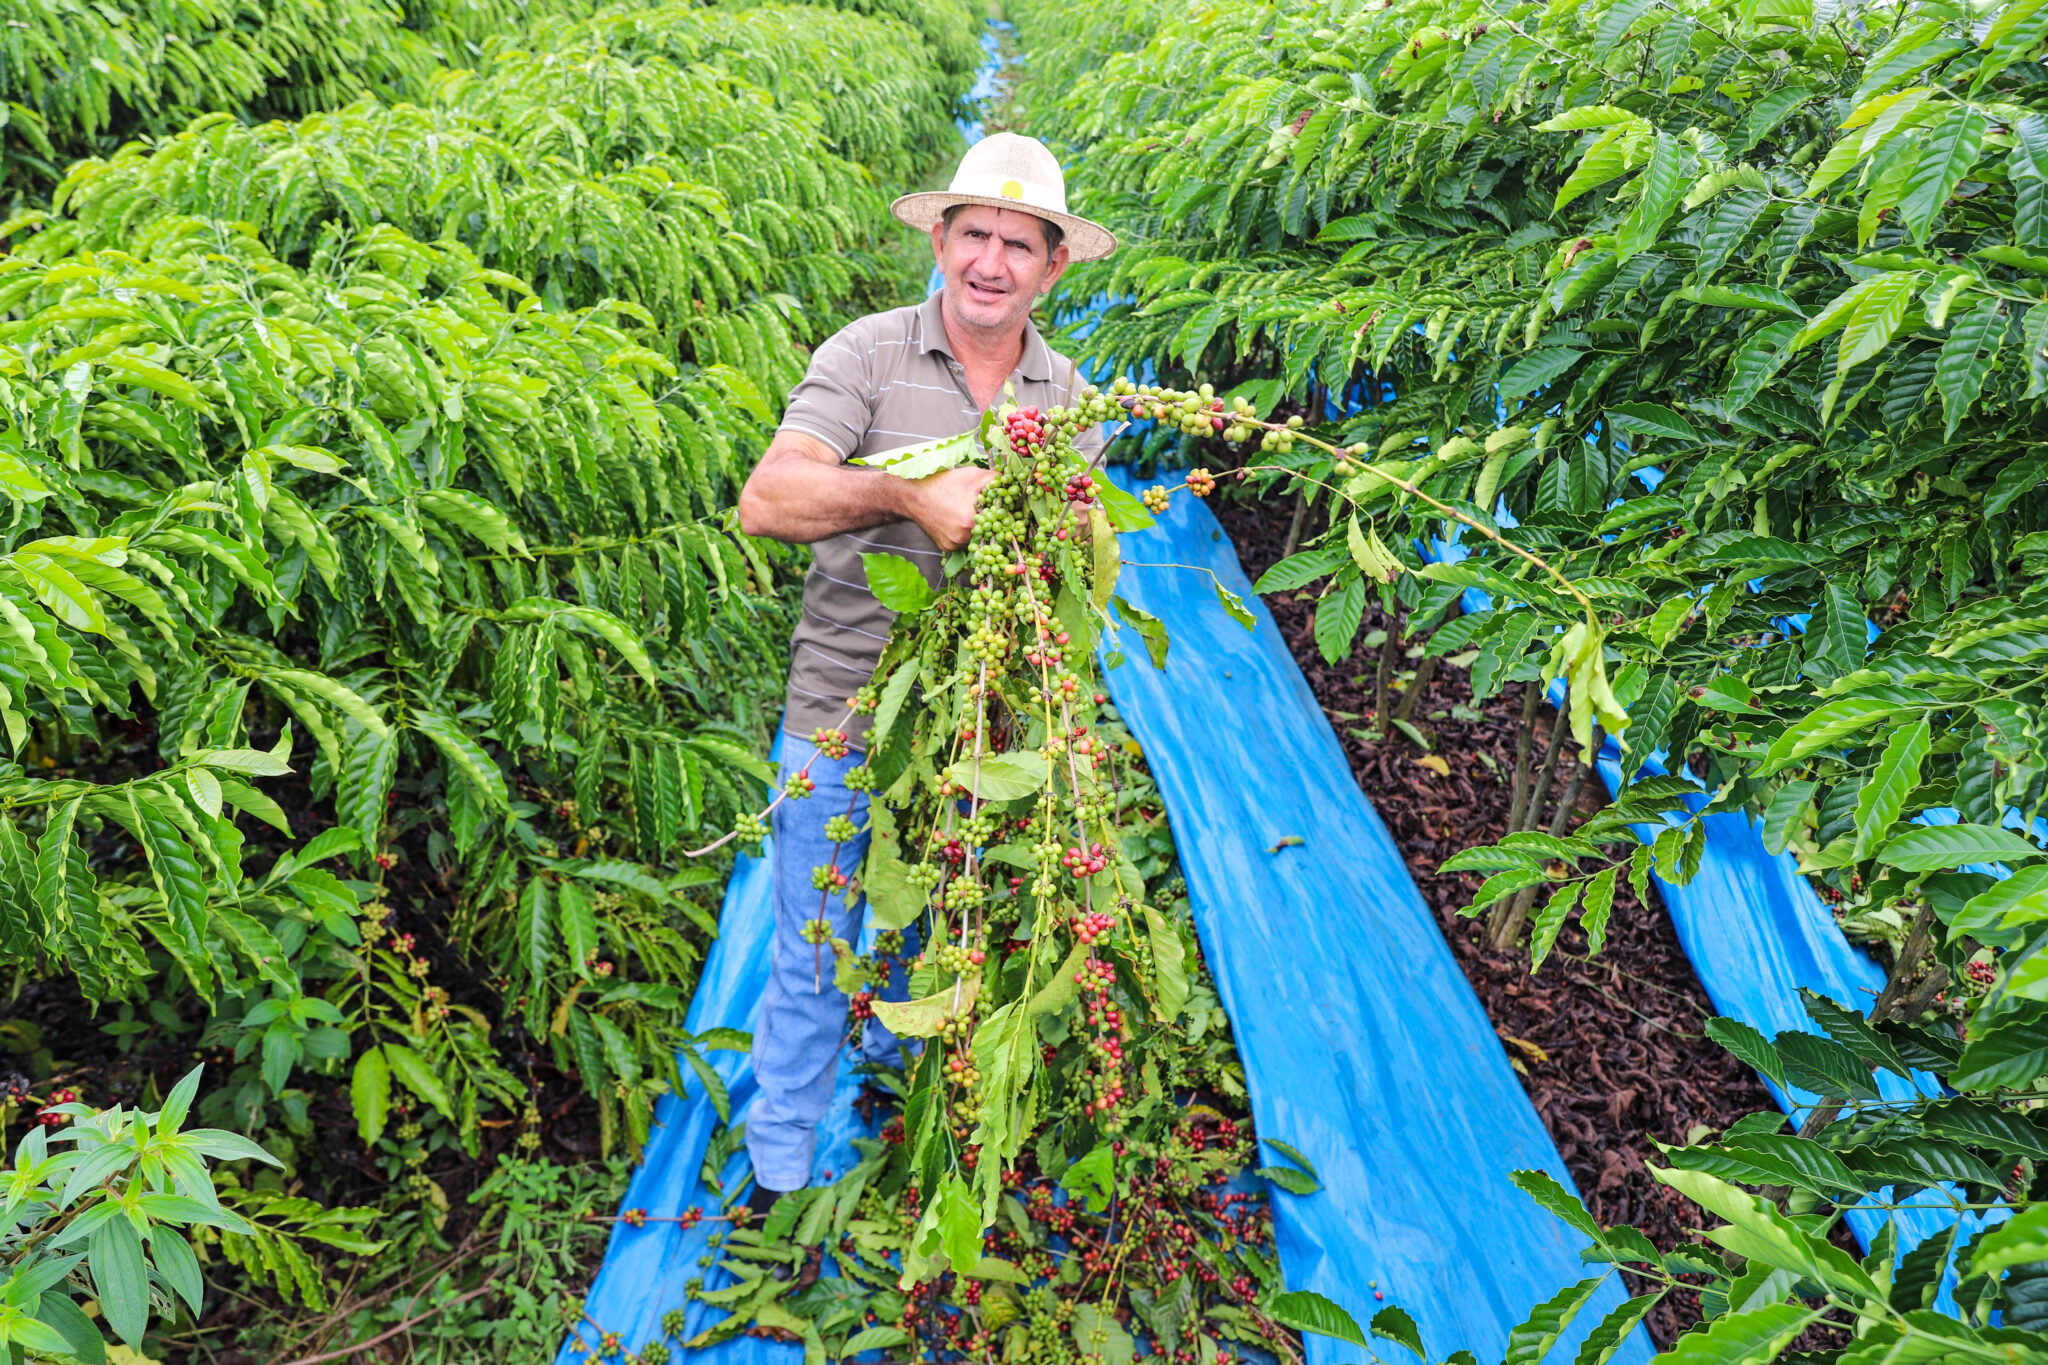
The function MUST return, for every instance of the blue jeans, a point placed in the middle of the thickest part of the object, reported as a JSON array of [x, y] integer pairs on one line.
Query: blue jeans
[[803, 1016]]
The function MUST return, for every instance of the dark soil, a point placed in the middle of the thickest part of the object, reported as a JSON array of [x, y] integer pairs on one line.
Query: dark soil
[[1610, 1049]]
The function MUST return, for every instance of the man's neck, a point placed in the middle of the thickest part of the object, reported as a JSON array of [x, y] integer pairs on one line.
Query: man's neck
[[988, 357]]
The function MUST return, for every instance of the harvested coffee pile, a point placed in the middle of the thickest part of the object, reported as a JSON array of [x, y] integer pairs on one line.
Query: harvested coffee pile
[[1610, 1049]]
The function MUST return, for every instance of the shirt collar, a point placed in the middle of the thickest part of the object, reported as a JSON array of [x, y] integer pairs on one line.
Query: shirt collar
[[1035, 364]]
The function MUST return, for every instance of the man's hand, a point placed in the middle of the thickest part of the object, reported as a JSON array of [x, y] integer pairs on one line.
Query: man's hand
[[943, 505]]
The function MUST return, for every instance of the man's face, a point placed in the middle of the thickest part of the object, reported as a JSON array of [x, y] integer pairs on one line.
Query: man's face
[[995, 265]]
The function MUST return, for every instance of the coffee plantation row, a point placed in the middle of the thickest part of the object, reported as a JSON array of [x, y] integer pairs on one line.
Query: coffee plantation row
[[1736, 309], [377, 630]]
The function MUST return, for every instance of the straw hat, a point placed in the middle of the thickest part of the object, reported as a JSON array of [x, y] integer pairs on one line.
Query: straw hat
[[1009, 171]]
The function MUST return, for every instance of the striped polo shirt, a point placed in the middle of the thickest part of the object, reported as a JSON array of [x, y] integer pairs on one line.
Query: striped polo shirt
[[885, 381]]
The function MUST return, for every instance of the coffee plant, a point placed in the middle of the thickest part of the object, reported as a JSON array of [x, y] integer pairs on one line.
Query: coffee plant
[[377, 631], [1067, 1165], [1731, 314], [79, 77], [102, 1211], [1151, 1232]]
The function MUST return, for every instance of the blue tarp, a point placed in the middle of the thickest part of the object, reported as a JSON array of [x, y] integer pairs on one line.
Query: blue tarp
[[1362, 1040]]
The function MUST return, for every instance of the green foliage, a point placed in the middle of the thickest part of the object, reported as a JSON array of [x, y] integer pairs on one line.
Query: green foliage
[[404, 436], [877, 100], [1146, 1241], [1792, 274], [1769, 1267], [77, 77], [375, 468], [1737, 309], [379, 452]]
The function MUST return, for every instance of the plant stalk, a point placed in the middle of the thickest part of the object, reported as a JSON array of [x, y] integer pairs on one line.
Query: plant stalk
[[1425, 670], [1525, 740], [1916, 942], [1510, 926], [1294, 523], [1558, 730], [1389, 650]]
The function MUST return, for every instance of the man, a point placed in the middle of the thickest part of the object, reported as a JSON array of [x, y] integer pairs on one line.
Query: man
[[1002, 237]]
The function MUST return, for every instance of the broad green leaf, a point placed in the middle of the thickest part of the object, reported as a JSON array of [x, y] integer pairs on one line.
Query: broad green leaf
[[1549, 920], [1168, 964], [1537, 369], [1607, 1335], [1872, 298], [1663, 185], [1307, 1311], [1003, 777], [1839, 632], [1149, 627], [1743, 296], [1836, 720], [370, 1094], [1125, 512], [577, 922], [2006, 1052], [898, 584], [343, 699], [615, 633], [2016, 1241], [121, 1277], [2019, 899], [464, 756], [1092, 1178], [1756, 1229], [1338, 615], [1394, 1324], [1883, 794], [1854, 1032], [1742, 1338], [1531, 1341], [2027, 168], [1544, 1188], [1933, 848], [1870, 325], [878, 1338], [1966, 359], [922, 459], [1599, 904], [1234, 607], [180, 882], [1607, 158], [922, 1018], [1653, 419], [1951, 149], [418, 1076], [1748, 1045]]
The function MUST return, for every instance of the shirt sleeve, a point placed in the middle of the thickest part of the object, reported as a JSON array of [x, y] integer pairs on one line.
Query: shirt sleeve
[[834, 401]]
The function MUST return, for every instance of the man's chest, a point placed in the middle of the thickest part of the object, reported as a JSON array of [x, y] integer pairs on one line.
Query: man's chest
[[928, 398]]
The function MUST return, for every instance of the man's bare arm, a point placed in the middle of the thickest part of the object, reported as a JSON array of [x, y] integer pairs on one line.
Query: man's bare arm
[[800, 492]]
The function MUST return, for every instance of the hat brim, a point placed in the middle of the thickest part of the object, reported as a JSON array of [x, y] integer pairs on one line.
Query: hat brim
[[1085, 241]]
